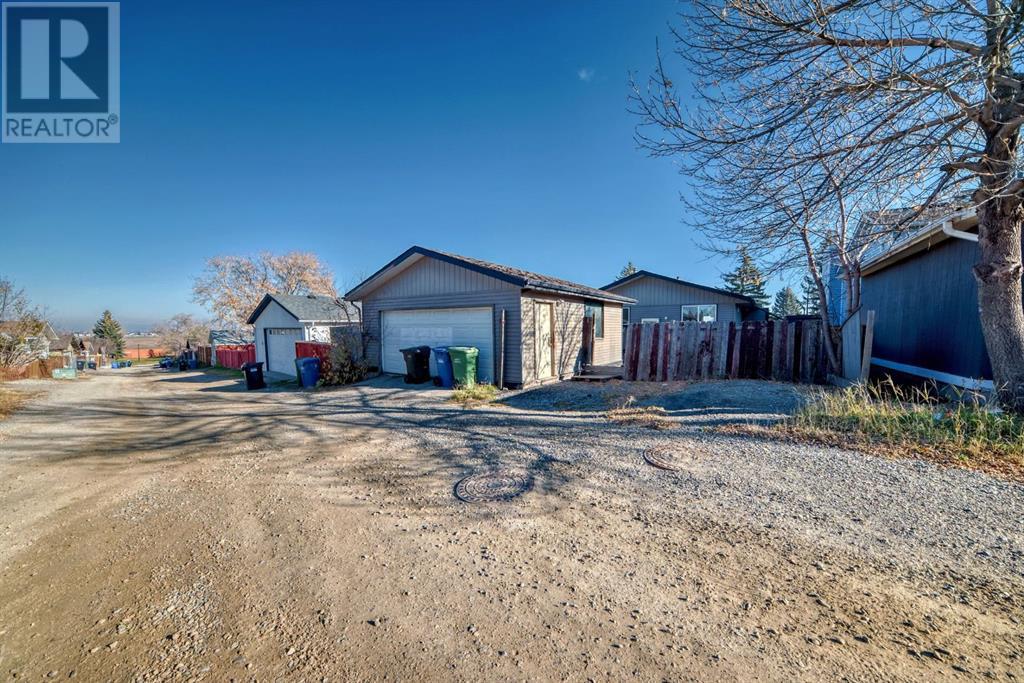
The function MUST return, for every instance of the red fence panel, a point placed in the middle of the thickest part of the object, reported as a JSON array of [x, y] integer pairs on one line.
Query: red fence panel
[[319, 350], [236, 356]]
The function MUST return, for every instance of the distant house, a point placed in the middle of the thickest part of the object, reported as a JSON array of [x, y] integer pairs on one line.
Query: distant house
[[280, 320], [37, 337], [921, 285], [226, 338], [661, 298], [528, 327]]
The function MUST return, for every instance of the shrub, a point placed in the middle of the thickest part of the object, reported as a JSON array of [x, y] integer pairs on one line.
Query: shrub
[[345, 365]]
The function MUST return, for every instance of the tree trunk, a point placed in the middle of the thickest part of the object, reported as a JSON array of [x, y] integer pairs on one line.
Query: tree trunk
[[1000, 302]]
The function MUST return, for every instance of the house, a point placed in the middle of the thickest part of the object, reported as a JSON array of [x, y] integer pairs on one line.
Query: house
[[226, 338], [280, 320], [35, 335], [528, 327], [660, 298], [921, 286]]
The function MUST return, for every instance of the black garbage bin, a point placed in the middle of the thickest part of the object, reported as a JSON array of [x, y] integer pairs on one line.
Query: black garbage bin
[[253, 376], [417, 364]]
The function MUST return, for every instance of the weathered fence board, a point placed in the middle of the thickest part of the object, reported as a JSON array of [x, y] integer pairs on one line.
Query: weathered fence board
[[784, 350]]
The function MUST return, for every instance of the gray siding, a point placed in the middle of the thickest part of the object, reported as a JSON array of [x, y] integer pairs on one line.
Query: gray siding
[[429, 283], [661, 299], [568, 325], [927, 311]]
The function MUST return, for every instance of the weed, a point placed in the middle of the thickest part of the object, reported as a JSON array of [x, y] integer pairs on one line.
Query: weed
[[652, 417], [11, 400], [892, 420], [475, 394]]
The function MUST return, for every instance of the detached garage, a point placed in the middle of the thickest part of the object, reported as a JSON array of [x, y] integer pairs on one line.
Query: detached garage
[[527, 326], [280, 320]]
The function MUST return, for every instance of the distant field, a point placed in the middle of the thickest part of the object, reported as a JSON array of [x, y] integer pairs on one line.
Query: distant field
[[138, 348]]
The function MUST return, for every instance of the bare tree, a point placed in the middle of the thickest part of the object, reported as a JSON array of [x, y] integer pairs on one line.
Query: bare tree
[[181, 330], [231, 286], [923, 96], [21, 324]]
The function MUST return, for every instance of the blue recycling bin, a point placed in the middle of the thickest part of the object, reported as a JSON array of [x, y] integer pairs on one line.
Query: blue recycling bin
[[444, 367], [309, 371]]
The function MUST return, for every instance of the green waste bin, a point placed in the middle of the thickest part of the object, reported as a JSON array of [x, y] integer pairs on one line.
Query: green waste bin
[[464, 364]]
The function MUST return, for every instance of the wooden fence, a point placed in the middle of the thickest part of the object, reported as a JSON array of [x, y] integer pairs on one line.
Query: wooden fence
[[39, 369], [789, 350]]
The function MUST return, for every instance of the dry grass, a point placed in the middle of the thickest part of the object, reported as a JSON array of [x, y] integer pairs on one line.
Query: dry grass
[[885, 419], [630, 414], [474, 394], [11, 400]]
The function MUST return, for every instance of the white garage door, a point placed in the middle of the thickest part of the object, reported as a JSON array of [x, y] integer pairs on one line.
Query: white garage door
[[281, 349], [438, 327]]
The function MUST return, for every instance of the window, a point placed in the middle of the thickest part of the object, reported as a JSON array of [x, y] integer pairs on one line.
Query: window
[[700, 313], [595, 310], [625, 315]]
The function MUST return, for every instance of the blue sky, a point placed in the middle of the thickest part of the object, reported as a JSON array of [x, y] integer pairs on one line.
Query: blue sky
[[498, 131]]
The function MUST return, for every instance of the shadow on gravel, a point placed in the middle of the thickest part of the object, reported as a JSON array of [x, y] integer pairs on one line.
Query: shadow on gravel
[[407, 442]]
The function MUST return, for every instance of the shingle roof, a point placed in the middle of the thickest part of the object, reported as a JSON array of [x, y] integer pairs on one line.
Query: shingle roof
[[310, 308], [229, 338], [517, 276], [674, 280]]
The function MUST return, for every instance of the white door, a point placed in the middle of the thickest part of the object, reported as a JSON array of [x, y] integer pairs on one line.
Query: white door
[[545, 341], [281, 349], [438, 327]]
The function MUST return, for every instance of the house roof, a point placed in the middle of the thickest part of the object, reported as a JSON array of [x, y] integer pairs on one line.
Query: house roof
[[310, 308], [62, 342], [20, 327], [918, 236], [228, 338], [676, 281], [515, 276]]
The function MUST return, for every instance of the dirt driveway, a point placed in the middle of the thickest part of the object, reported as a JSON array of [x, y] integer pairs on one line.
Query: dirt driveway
[[173, 527]]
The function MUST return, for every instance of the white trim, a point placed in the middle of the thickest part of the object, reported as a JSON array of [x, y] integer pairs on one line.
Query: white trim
[[944, 377], [947, 227], [922, 236]]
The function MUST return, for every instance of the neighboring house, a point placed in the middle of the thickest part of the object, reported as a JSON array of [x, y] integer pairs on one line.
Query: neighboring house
[[226, 338], [661, 298], [280, 320], [37, 337], [63, 344], [922, 288], [433, 298]]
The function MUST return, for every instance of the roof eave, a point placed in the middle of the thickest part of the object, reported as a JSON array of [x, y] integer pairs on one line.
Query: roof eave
[[674, 280], [607, 296]]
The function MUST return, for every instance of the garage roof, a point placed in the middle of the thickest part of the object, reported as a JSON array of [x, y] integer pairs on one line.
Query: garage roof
[[310, 308], [516, 276]]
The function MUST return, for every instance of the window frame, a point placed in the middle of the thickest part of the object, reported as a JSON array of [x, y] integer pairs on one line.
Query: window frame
[[682, 312], [588, 312], [625, 315]]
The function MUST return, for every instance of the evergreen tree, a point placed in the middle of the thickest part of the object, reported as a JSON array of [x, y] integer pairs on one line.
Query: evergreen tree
[[109, 330], [747, 280], [786, 303], [627, 270], [809, 294]]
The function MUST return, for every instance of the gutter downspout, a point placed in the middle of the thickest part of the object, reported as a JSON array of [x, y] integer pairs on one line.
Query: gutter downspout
[[947, 227]]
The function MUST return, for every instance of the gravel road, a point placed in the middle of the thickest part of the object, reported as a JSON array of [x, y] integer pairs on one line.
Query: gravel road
[[166, 526]]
